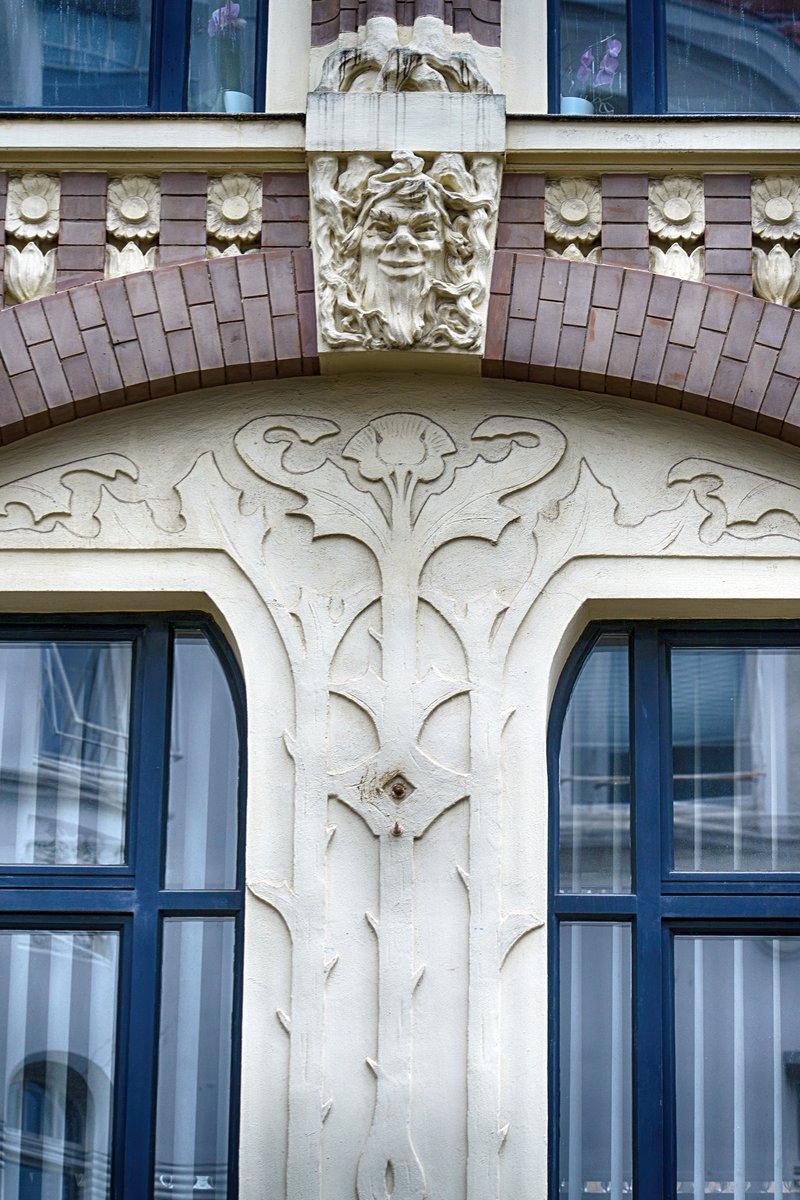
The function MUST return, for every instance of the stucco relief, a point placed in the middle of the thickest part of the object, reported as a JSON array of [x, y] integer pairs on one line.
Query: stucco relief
[[403, 249], [412, 495]]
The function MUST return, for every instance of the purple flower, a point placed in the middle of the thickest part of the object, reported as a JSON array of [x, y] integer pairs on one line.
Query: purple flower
[[225, 18], [586, 67]]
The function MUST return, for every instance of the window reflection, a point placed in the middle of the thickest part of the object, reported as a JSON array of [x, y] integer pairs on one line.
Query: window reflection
[[222, 56], [594, 38]]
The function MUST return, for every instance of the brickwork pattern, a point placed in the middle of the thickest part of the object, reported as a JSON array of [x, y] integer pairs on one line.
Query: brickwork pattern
[[701, 348], [80, 256], [625, 237], [3, 195], [183, 216], [178, 328], [480, 18], [729, 233], [521, 217], [286, 210]]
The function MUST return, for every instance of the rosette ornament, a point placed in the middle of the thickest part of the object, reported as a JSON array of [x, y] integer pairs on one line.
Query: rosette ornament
[[572, 210], [234, 208], [32, 207], [776, 275], [134, 208], [128, 260], [776, 208], [29, 274], [678, 263], [676, 209]]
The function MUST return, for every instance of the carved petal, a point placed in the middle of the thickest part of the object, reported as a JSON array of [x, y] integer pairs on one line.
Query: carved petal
[[777, 275], [776, 207], [676, 209], [128, 260], [678, 263], [29, 273], [32, 209], [134, 204]]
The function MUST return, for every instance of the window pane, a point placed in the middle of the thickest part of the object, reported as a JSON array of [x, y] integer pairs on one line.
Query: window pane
[[64, 720], [222, 56], [58, 1001], [733, 56], [594, 43], [737, 1041], [194, 1064], [594, 775], [736, 767], [204, 771], [75, 53], [595, 1138]]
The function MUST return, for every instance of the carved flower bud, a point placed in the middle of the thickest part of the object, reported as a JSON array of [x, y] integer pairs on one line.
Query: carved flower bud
[[677, 263], [777, 275], [29, 274], [128, 260]]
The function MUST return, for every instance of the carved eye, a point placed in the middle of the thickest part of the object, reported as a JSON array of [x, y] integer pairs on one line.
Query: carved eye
[[426, 229], [382, 229]]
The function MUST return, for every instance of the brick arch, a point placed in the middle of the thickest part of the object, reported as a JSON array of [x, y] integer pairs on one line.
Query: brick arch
[[121, 341], [626, 332]]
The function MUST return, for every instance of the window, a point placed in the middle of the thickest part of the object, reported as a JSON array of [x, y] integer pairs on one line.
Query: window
[[676, 56], [675, 947], [120, 909], [135, 55]]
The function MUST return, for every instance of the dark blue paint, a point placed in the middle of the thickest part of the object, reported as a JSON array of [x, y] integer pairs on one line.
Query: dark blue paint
[[664, 902]]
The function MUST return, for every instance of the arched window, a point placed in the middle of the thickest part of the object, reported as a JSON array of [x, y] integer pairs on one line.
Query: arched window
[[675, 910], [120, 908]]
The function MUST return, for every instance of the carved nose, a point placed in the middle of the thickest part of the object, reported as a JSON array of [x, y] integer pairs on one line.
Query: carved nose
[[402, 239]]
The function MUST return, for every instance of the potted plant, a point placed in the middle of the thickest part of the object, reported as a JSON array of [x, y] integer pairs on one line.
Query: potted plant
[[225, 28], [593, 78]]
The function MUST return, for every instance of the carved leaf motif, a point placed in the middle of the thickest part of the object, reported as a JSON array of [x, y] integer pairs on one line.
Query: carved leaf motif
[[69, 496], [29, 273], [213, 508], [741, 503]]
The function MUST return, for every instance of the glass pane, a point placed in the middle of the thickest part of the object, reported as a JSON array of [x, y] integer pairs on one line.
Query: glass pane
[[58, 1002], [594, 46], [204, 771], [194, 1060], [737, 1060], [737, 56], [736, 766], [595, 1121], [222, 56], [75, 53], [64, 719], [594, 775]]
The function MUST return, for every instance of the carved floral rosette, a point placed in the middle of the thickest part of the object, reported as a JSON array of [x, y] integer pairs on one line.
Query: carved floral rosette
[[776, 230], [403, 249]]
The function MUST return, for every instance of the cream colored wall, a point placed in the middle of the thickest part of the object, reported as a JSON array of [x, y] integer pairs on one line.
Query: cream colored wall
[[402, 563]]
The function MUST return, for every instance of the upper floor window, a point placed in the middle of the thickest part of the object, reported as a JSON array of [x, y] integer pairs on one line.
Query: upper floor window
[[135, 55], [677, 56], [675, 913]]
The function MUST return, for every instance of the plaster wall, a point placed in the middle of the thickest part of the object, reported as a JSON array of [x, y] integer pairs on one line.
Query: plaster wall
[[402, 563]]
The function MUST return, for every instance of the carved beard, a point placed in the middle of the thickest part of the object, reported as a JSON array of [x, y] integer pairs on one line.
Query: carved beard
[[401, 303]]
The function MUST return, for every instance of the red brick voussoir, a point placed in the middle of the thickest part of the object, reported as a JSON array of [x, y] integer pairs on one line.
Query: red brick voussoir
[[699, 347], [120, 341]]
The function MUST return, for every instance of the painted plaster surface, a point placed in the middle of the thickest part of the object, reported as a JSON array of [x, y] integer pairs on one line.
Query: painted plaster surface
[[402, 564]]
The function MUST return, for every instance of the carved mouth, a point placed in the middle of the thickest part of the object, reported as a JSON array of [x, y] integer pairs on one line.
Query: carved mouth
[[401, 265]]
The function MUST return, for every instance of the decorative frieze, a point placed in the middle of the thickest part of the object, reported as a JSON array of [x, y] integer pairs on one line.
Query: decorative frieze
[[776, 225], [32, 217], [133, 213], [403, 249], [676, 220], [572, 219], [234, 212]]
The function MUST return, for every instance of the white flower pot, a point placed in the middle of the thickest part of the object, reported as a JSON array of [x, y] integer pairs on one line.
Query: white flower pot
[[577, 106], [237, 102]]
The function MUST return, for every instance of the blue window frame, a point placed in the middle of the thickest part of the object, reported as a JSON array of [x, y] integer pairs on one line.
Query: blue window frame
[[674, 56], [121, 907], [134, 56], [675, 912]]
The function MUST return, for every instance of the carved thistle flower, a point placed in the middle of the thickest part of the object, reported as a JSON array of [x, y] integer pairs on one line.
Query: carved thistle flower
[[400, 445], [32, 207], [776, 208], [573, 210], [234, 208], [133, 208], [677, 209]]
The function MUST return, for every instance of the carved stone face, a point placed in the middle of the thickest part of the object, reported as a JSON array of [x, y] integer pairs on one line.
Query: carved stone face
[[403, 240]]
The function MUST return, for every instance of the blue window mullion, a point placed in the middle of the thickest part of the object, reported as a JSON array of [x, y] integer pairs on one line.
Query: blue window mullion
[[648, 980], [150, 744], [642, 37], [171, 75]]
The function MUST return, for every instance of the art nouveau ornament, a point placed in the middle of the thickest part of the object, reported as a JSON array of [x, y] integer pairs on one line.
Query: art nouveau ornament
[[572, 210], [133, 208], [379, 63], [130, 259], [676, 209], [403, 251], [234, 208], [776, 208], [573, 253], [677, 262], [776, 276], [29, 273], [32, 207]]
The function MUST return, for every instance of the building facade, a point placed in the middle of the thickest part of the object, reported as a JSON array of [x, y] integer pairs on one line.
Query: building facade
[[399, 535]]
